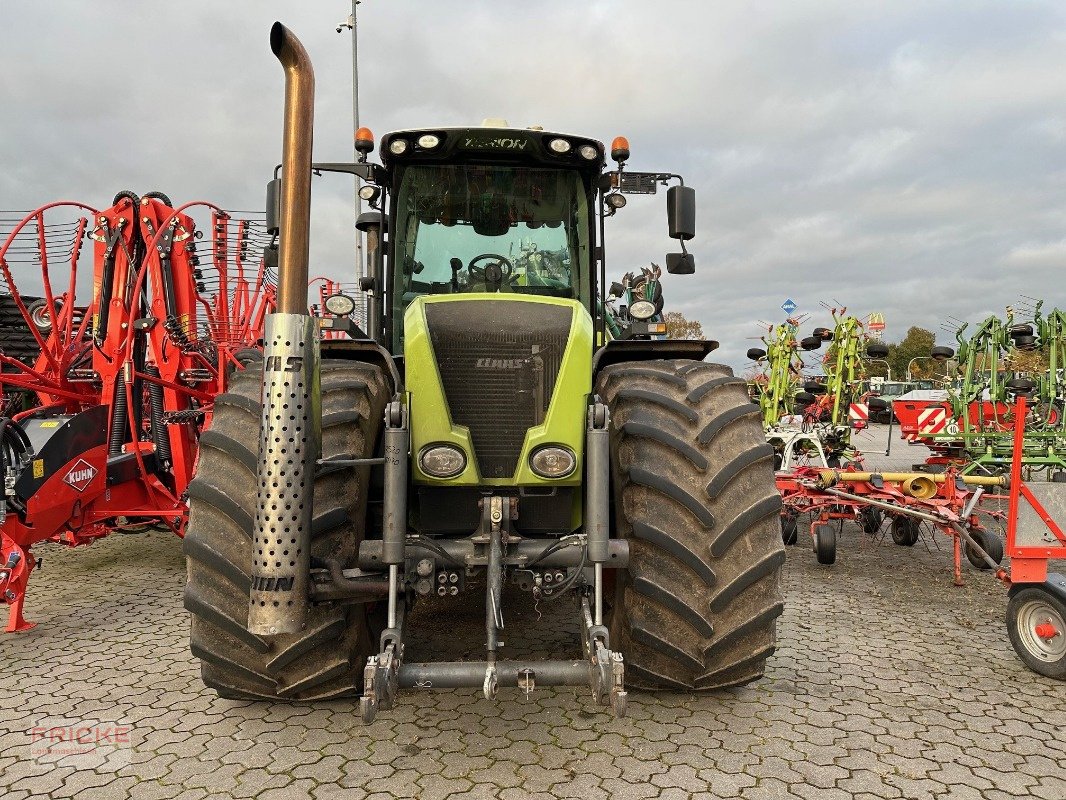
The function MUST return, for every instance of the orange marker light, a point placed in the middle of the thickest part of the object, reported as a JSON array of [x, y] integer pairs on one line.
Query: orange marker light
[[620, 149], [364, 140]]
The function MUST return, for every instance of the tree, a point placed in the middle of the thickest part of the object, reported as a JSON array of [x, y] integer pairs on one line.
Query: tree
[[918, 343], [677, 327]]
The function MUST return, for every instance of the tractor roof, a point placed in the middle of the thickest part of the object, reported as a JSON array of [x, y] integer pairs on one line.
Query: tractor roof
[[489, 143]]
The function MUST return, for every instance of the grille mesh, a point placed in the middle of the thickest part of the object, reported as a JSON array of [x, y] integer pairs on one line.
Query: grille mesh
[[498, 361]]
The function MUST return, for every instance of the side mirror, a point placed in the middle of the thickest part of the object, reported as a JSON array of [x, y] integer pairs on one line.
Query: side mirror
[[681, 212], [270, 256], [273, 206], [680, 263]]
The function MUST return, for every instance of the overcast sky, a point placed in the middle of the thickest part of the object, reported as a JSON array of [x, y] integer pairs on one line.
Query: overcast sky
[[903, 157]]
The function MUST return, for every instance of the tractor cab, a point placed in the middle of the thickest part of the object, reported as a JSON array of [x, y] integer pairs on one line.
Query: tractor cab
[[489, 210]]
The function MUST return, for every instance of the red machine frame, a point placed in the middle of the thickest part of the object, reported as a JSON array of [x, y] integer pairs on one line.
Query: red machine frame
[[124, 384]]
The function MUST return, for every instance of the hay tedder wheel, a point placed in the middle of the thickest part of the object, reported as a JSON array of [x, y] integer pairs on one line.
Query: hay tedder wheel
[[789, 529], [988, 542], [694, 494], [825, 544], [905, 531], [871, 518], [326, 659]]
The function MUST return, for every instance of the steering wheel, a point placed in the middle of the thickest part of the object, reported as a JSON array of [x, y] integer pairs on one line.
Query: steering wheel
[[505, 267]]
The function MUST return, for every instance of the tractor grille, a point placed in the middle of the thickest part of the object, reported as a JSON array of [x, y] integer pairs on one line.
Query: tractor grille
[[498, 362]]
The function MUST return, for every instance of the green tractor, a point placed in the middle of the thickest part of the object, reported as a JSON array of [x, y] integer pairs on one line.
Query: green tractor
[[484, 431]]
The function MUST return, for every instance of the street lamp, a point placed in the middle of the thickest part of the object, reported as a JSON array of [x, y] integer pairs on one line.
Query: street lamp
[[888, 367], [350, 24], [910, 364]]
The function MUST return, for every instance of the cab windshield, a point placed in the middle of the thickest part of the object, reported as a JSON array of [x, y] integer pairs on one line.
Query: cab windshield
[[468, 228]]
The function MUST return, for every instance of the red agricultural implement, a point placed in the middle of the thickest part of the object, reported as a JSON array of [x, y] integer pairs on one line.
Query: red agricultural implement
[[948, 501], [951, 502], [107, 376]]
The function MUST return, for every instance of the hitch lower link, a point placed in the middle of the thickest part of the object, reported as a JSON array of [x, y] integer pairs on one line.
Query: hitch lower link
[[602, 669]]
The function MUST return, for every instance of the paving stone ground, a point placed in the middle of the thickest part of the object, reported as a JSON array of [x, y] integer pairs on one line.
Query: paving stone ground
[[889, 682]]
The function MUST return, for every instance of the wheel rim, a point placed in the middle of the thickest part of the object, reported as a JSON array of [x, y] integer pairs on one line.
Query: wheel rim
[[1036, 619], [41, 318]]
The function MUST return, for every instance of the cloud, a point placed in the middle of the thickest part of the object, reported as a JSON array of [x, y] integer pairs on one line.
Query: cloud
[[903, 157]]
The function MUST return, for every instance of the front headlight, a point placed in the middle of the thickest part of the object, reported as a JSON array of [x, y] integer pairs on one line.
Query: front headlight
[[442, 461], [642, 310], [552, 461]]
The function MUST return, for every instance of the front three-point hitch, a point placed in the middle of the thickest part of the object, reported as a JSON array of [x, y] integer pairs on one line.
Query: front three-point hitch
[[498, 550]]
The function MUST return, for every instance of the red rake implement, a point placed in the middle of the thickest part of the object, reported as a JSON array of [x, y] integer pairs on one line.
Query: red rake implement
[[110, 363]]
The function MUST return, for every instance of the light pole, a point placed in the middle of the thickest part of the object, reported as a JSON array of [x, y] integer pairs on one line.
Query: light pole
[[888, 367], [910, 364], [351, 24]]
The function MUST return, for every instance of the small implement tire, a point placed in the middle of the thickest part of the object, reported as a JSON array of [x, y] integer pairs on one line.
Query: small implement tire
[[811, 342], [41, 316], [942, 353], [326, 659], [1036, 625], [876, 350], [694, 494], [1021, 385], [756, 353], [905, 531], [871, 519], [990, 543], [789, 529], [825, 544]]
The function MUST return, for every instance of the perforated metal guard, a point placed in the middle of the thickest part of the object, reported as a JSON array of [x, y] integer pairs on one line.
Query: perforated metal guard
[[289, 446]]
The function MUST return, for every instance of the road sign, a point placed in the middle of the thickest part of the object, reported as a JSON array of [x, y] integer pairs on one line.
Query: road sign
[[789, 306]]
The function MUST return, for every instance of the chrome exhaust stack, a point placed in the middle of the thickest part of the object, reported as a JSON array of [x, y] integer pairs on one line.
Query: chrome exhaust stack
[[291, 436]]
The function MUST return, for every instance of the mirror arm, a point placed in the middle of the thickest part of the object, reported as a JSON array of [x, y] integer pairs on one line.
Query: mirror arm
[[368, 172]]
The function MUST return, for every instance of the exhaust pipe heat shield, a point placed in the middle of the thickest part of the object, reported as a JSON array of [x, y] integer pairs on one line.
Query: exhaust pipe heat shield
[[289, 447], [291, 435]]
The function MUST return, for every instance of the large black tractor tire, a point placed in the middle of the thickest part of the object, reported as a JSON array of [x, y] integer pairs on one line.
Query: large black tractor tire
[[326, 659], [694, 495]]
